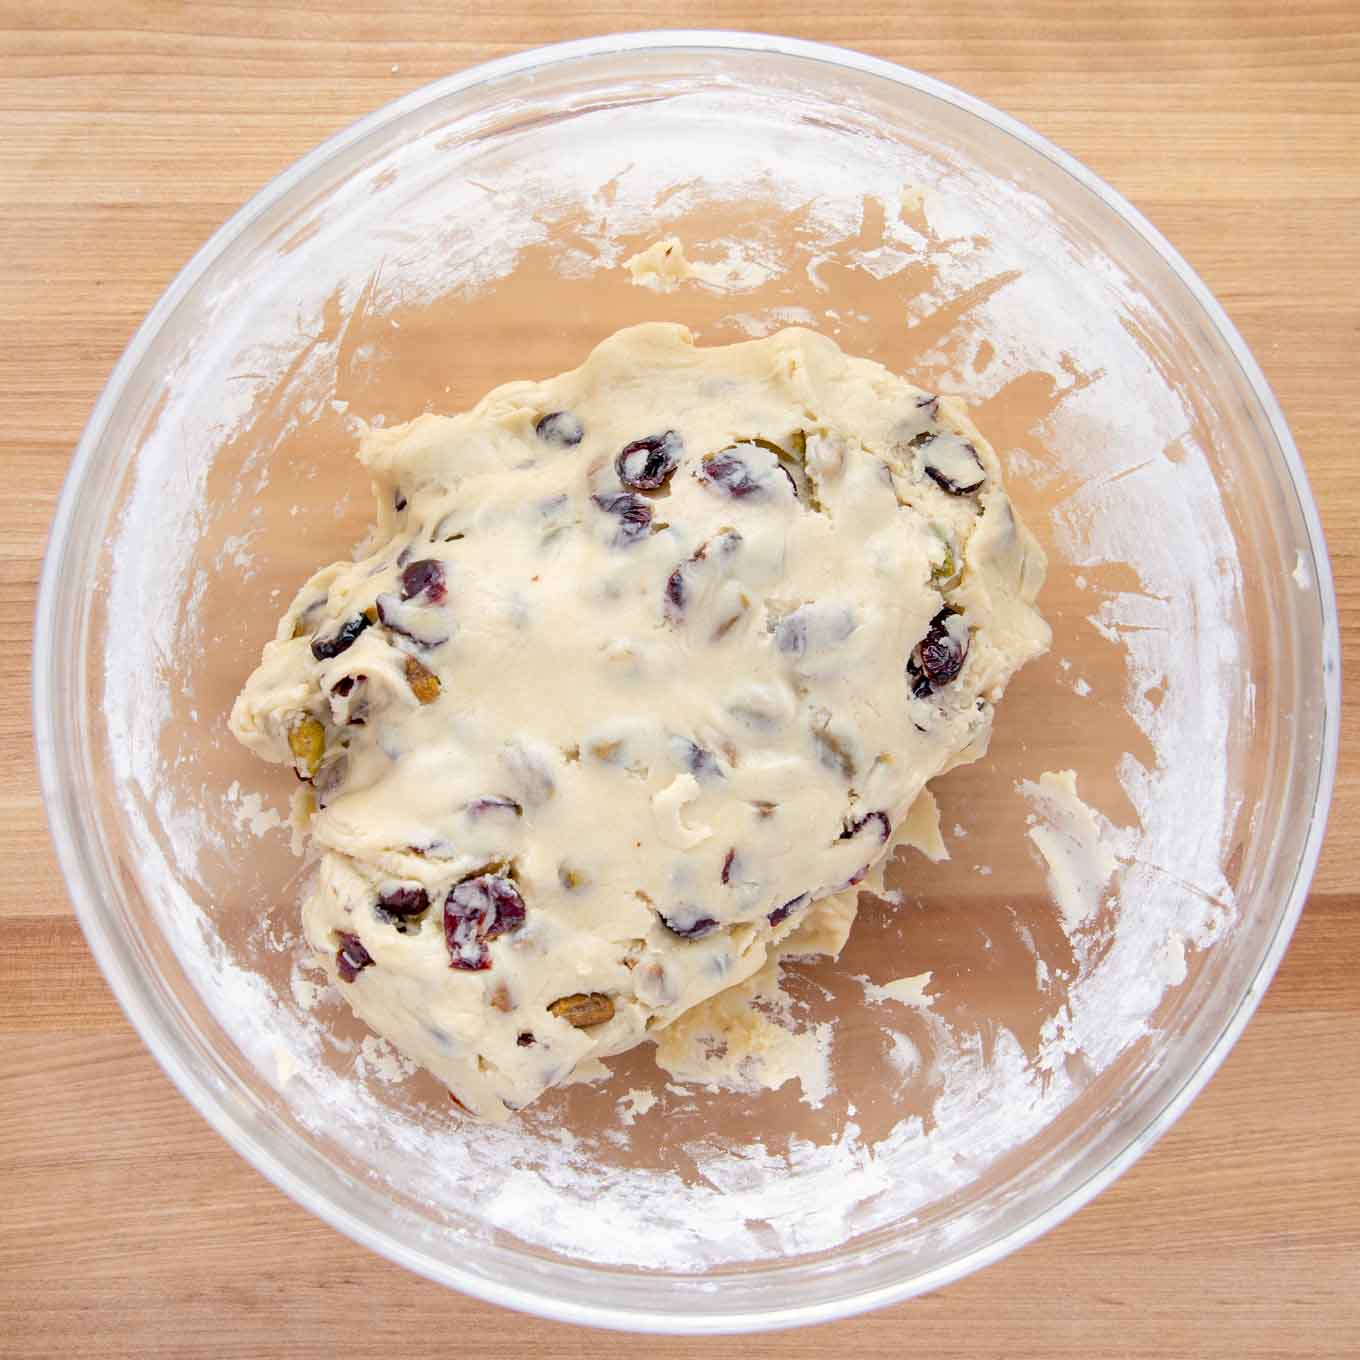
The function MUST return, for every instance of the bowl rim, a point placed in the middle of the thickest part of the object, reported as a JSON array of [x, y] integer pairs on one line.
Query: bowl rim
[[86, 893]]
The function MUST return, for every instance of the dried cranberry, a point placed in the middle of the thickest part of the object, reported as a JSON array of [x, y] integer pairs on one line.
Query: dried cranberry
[[938, 657], [475, 911], [947, 483], [648, 464], [783, 913], [323, 649], [407, 900], [676, 593], [428, 627], [857, 824], [729, 472], [424, 578], [398, 500], [634, 516], [559, 427], [950, 462], [480, 807], [352, 708], [351, 958], [723, 544], [727, 865], [689, 925], [525, 1039]]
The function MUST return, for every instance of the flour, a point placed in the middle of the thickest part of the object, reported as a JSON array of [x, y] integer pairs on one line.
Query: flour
[[378, 1058], [634, 1103], [250, 813]]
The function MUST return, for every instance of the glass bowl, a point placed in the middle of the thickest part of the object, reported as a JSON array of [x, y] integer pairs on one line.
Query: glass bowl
[[474, 231]]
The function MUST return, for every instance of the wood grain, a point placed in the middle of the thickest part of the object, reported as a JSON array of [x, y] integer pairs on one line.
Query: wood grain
[[128, 131]]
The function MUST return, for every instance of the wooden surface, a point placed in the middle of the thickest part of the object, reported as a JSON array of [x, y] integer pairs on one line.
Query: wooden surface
[[129, 129]]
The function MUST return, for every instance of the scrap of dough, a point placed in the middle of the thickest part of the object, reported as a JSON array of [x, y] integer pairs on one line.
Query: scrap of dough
[[910, 991], [664, 266], [581, 749], [1071, 840], [731, 1041], [920, 829]]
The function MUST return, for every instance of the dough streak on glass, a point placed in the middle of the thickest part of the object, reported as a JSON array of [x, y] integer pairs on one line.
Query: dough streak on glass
[[637, 677]]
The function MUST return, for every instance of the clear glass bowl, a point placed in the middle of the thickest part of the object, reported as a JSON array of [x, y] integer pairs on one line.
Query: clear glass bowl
[[471, 233]]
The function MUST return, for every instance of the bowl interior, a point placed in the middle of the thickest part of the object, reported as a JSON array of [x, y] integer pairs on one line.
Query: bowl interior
[[476, 233]]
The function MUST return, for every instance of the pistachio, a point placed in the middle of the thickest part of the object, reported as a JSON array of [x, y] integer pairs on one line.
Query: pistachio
[[307, 742], [945, 571], [583, 1010], [423, 681]]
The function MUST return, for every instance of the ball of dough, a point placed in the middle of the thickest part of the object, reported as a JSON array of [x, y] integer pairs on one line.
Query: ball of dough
[[640, 673]]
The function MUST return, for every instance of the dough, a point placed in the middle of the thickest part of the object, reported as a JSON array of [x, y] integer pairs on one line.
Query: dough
[[640, 672]]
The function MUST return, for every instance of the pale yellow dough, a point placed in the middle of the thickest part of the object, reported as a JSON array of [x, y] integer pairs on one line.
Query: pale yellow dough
[[679, 728]]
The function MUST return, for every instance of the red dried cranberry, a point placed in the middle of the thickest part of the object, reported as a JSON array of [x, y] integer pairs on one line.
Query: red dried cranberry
[[783, 913], [634, 516], [559, 427], [938, 657], [689, 925], [481, 807], [398, 500], [723, 544], [424, 578], [954, 451], [857, 824], [410, 899], [729, 472], [676, 593], [428, 627], [525, 1040], [727, 865], [351, 958], [324, 649], [475, 911], [648, 464], [355, 711]]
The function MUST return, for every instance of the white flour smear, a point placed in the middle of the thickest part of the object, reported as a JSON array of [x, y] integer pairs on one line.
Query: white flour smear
[[400, 233]]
